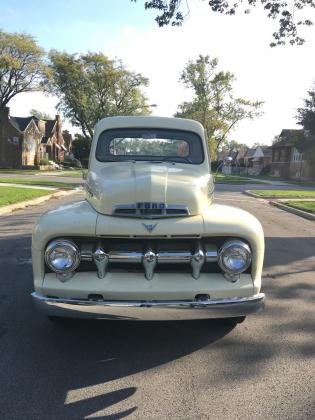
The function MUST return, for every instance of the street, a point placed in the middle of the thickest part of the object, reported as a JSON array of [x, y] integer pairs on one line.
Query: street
[[261, 369]]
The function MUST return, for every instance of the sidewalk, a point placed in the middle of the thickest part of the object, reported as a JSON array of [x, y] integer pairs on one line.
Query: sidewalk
[[35, 187], [274, 183]]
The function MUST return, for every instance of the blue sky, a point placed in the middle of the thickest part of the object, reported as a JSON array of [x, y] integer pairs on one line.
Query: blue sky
[[278, 76], [72, 25]]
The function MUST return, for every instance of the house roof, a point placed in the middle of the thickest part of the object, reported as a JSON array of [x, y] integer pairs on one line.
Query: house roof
[[21, 122], [49, 126], [267, 151], [250, 153], [287, 138]]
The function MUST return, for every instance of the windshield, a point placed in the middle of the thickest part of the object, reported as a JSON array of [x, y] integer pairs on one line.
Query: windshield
[[149, 144]]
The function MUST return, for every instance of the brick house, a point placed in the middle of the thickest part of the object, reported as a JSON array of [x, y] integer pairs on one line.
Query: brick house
[[287, 161], [52, 144], [19, 140], [24, 141], [67, 140]]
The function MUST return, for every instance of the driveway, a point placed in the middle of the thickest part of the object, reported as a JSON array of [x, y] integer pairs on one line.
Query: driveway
[[262, 369]]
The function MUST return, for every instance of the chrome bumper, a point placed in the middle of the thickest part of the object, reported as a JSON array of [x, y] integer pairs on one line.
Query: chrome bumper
[[149, 310]]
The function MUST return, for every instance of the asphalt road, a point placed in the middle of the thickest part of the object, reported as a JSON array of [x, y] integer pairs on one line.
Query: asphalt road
[[261, 369]]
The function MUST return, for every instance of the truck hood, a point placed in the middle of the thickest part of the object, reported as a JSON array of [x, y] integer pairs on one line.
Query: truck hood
[[128, 183]]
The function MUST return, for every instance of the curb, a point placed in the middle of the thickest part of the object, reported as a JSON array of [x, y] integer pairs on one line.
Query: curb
[[289, 209], [17, 206], [251, 194]]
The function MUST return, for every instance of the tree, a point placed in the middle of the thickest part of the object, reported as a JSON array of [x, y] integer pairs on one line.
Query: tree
[[213, 103], [231, 145], [306, 115], [40, 115], [171, 12], [22, 65], [305, 142], [81, 147], [91, 86]]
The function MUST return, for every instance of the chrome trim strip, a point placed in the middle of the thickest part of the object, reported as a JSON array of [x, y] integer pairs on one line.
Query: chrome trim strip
[[138, 210], [211, 253], [125, 256], [100, 258], [149, 310], [197, 261], [149, 262], [173, 257]]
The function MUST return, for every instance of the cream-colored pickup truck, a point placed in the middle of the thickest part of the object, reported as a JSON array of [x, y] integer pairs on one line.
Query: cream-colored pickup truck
[[148, 242]]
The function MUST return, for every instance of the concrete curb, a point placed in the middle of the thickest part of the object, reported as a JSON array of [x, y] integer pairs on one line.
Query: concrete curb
[[300, 213], [251, 194], [17, 206]]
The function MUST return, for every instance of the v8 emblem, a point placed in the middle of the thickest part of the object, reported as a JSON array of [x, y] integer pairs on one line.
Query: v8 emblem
[[149, 228]]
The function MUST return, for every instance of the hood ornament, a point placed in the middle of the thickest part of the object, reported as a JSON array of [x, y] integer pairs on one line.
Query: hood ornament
[[149, 227]]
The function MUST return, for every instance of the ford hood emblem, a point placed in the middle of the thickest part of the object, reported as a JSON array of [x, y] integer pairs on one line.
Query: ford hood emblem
[[149, 227]]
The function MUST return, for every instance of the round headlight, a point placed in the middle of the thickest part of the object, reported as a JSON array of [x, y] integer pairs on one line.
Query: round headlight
[[62, 256], [234, 256]]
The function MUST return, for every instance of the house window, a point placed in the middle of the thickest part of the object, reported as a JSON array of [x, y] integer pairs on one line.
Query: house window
[[297, 156], [276, 156]]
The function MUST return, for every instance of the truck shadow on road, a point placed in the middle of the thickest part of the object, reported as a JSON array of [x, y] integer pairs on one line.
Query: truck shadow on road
[[79, 368]]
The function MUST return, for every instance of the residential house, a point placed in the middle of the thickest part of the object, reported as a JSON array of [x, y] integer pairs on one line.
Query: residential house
[[19, 140], [287, 161], [261, 160], [52, 145], [248, 157], [67, 140], [239, 160], [24, 141]]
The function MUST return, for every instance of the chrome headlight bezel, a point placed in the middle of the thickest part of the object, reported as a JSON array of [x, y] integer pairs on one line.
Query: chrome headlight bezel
[[69, 246], [228, 246]]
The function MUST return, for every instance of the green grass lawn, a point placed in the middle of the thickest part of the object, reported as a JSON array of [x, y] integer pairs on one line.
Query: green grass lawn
[[303, 183], [12, 195], [308, 206], [38, 181], [234, 179], [284, 193]]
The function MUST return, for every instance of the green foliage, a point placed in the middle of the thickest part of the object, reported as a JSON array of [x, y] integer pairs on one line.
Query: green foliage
[[171, 12], [232, 145], [213, 103], [81, 147], [44, 162], [40, 115], [306, 115], [91, 86], [22, 66], [305, 143]]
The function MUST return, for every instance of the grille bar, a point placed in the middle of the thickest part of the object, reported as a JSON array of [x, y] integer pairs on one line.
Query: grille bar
[[149, 258]]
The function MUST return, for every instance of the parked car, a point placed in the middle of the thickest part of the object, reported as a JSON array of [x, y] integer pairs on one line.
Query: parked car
[[149, 242]]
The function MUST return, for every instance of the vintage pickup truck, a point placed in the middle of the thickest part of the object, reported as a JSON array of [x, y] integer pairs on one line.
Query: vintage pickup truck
[[148, 242]]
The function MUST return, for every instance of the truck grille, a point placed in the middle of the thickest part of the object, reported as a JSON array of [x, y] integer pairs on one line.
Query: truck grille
[[148, 255], [150, 210]]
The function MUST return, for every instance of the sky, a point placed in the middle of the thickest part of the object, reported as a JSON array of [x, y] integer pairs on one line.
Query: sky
[[119, 28]]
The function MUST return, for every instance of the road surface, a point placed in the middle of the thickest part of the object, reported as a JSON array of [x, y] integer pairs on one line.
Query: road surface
[[261, 369]]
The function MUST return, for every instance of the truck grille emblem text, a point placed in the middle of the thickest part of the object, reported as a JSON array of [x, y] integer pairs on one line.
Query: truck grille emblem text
[[149, 228]]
